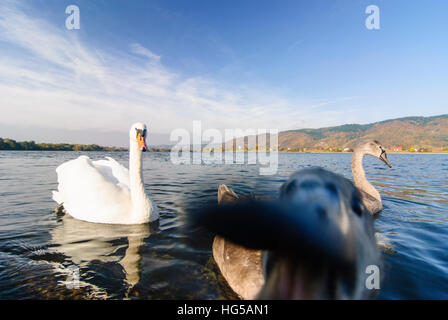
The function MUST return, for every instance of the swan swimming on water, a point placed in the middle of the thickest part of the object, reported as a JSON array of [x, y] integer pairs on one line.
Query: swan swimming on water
[[315, 242], [370, 196], [104, 191]]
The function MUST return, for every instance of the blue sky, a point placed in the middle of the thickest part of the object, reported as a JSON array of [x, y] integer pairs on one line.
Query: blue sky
[[231, 64]]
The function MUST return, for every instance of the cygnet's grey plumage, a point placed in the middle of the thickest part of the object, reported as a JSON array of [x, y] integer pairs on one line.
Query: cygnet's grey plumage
[[315, 242], [370, 196], [241, 267]]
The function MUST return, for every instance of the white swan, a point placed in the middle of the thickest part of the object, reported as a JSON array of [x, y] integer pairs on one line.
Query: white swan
[[104, 191]]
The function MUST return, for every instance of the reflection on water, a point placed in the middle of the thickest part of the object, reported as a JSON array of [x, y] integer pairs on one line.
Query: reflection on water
[[164, 261], [83, 243]]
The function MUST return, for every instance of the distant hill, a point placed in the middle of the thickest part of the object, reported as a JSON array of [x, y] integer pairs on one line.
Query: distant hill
[[409, 132]]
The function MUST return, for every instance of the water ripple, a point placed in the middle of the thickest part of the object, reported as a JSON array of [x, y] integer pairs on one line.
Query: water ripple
[[163, 261]]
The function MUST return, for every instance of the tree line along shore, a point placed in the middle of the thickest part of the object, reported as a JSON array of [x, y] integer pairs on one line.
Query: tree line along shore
[[10, 144]]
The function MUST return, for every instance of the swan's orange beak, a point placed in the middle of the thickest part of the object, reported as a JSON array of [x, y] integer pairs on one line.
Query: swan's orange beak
[[141, 140]]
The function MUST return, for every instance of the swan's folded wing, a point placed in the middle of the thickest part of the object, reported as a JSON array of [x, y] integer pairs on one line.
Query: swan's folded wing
[[372, 204], [113, 170], [84, 189]]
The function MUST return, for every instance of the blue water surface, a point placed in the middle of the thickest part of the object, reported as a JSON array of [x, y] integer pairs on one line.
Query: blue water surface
[[41, 252]]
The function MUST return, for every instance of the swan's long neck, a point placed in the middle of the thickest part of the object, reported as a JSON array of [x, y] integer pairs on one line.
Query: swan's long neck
[[359, 175], [140, 201]]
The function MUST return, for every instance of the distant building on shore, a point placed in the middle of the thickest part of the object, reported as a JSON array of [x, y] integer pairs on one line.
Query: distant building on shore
[[396, 149], [437, 149]]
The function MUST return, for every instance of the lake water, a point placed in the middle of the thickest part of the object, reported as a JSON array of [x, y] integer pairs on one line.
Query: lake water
[[40, 250]]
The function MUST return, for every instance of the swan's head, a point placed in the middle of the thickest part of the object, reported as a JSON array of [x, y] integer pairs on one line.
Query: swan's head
[[337, 240], [138, 135], [374, 148], [318, 237]]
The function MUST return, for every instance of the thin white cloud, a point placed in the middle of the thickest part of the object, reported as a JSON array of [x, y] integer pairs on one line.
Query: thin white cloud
[[50, 78], [139, 49]]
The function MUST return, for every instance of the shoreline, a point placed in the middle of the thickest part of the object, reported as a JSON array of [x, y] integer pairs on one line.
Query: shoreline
[[166, 150]]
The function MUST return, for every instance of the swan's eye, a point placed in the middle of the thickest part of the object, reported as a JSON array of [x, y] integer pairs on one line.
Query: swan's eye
[[357, 206], [291, 187], [332, 188], [140, 132]]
